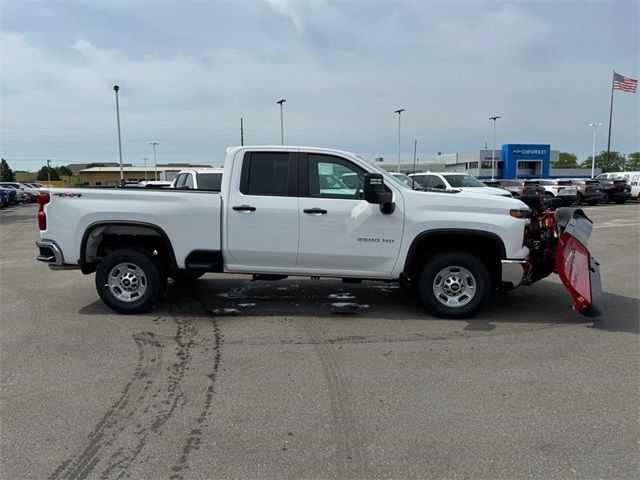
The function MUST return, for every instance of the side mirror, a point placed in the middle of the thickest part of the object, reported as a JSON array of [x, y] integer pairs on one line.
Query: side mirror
[[376, 193]]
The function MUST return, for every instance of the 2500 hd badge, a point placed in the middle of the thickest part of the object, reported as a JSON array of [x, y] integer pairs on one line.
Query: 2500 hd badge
[[375, 240]]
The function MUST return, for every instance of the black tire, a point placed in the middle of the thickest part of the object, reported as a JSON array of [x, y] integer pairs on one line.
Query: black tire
[[605, 198], [187, 276], [130, 280], [579, 201], [450, 273]]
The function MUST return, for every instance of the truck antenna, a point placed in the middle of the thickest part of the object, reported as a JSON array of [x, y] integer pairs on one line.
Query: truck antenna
[[415, 149]]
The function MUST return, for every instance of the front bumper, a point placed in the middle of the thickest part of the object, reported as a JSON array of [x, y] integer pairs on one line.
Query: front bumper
[[513, 273]]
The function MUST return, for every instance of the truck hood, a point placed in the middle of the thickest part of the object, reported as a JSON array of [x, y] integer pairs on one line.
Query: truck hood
[[464, 200]]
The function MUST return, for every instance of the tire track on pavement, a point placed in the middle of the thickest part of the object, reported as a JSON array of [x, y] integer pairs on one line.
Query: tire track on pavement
[[350, 458]]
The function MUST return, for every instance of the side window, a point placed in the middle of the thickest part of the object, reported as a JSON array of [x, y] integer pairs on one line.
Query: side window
[[334, 177], [267, 173], [188, 181], [180, 180], [435, 182]]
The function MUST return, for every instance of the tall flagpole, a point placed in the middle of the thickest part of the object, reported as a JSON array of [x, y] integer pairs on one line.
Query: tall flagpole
[[610, 117]]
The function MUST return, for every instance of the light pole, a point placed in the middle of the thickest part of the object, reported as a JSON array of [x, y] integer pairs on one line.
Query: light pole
[[145, 167], [593, 150], [155, 165], [493, 154], [399, 112], [280, 102], [115, 89]]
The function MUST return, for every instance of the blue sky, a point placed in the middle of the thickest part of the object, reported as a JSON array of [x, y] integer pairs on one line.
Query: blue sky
[[189, 70]]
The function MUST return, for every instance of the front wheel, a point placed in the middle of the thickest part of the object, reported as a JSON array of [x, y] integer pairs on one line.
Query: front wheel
[[454, 284], [130, 281]]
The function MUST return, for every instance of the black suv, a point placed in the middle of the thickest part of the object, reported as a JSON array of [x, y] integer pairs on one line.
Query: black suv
[[615, 190]]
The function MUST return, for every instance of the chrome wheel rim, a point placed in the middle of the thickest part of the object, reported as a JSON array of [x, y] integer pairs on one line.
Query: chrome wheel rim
[[454, 286], [127, 282]]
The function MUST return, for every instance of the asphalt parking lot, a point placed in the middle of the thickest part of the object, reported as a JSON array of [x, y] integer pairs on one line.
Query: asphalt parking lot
[[239, 379]]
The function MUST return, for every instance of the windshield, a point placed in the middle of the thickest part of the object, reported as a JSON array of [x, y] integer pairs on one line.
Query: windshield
[[209, 181], [458, 181]]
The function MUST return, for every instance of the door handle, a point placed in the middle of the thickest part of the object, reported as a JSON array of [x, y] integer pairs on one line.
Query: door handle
[[315, 211], [244, 208]]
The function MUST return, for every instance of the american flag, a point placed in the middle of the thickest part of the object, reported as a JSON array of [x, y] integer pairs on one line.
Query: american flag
[[625, 84]]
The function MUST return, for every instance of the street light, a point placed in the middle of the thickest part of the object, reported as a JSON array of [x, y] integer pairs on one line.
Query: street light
[[593, 150], [493, 154], [115, 89], [280, 102], [399, 112], [155, 165], [145, 167]]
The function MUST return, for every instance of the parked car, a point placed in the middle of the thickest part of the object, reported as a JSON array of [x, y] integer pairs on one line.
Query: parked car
[[26, 194], [632, 179], [617, 191], [589, 190], [563, 190], [456, 181], [4, 198], [199, 179], [515, 187], [12, 195]]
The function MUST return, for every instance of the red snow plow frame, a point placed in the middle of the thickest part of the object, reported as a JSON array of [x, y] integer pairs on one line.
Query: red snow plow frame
[[577, 269]]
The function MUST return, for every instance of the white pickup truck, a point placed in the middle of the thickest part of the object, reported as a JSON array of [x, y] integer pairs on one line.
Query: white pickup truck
[[278, 213]]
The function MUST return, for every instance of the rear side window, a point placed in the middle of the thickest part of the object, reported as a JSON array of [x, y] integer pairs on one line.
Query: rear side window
[[268, 173], [435, 182]]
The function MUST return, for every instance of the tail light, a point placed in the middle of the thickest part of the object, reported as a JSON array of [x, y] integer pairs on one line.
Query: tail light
[[43, 199]]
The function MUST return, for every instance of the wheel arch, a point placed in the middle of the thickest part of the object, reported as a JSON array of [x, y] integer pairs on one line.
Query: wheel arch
[[90, 243], [487, 246]]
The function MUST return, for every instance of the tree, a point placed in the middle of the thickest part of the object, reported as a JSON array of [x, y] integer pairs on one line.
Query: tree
[[566, 160], [613, 164], [66, 171], [633, 162], [45, 172], [6, 174]]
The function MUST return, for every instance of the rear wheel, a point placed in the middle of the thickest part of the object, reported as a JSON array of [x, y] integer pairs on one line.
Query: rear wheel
[[605, 198], [579, 201], [130, 281], [454, 284]]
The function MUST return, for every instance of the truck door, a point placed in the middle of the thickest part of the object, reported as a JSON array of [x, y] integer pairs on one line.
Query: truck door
[[339, 230], [262, 213]]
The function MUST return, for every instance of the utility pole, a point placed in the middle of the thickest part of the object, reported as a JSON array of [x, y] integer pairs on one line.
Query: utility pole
[[155, 165], [399, 112], [48, 170], [145, 167], [493, 154], [593, 150], [280, 102], [241, 133], [115, 89]]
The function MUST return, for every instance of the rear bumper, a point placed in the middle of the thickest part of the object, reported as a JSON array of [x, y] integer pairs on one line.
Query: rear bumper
[[513, 273], [50, 253]]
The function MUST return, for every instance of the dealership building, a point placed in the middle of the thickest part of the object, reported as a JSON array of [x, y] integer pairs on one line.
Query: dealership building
[[511, 161]]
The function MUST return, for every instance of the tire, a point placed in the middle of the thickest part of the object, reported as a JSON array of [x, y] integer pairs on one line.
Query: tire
[[130, 281], [579, 201], [187, 276], [454, 284], [605, 198]]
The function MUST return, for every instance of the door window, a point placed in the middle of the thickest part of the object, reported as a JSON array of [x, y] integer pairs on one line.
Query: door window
[[334, 177]]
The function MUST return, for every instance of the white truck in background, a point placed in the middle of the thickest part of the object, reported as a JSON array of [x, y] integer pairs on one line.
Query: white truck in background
[[276, 216]]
